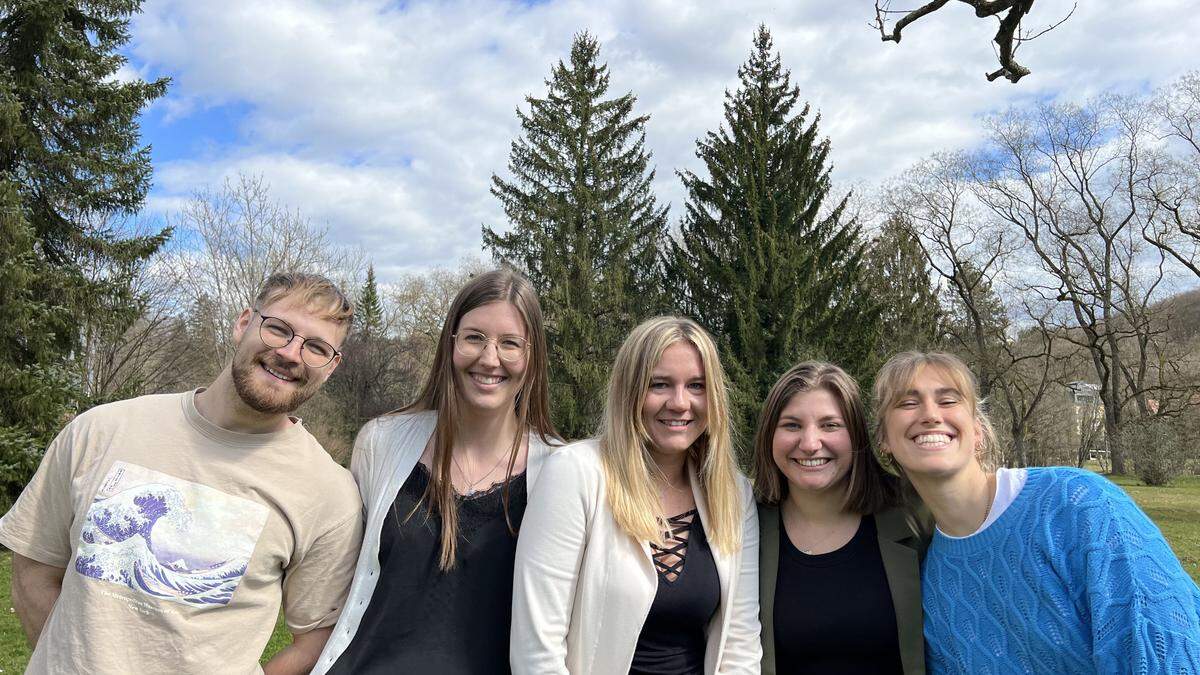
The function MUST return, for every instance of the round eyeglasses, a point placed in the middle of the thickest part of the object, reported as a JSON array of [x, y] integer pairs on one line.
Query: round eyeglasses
[[277, 334], [509, 348]]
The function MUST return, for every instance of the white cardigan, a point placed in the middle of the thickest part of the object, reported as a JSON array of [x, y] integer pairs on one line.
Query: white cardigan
[[385, 453], [583, 587]]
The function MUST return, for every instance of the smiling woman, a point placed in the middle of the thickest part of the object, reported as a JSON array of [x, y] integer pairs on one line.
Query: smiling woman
[[1011, 544], [444, 482], [840, 550], [640, 554]]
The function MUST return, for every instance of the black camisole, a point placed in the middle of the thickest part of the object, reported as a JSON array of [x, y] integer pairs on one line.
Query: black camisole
[[423, 620]]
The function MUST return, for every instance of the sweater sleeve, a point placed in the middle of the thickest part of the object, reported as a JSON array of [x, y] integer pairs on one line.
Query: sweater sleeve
[[1144, 609]]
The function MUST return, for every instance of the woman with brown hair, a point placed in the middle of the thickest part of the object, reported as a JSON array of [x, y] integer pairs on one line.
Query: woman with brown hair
[[840, 555], [640, 553], [444, 483]]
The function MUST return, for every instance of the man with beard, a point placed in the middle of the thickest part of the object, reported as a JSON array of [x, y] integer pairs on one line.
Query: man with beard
[[164, 533]]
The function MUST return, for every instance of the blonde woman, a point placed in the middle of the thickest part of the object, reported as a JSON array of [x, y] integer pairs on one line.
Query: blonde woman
[[444, 482], [640, 552], [1047, 569]]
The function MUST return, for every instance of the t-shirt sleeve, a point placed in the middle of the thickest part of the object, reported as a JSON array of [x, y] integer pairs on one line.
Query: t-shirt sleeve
[[38, 526], [315, 586], [1145, 610]]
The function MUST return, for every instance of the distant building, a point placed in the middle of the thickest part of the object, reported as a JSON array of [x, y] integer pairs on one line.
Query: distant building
[[1088, 422], [1084, 393]]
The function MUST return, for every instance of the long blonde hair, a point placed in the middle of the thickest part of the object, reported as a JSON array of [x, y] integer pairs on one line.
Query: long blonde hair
[[440, 394], [625, 443]]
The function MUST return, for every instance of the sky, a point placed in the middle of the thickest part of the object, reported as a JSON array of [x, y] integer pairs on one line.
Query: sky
[[385, 121]]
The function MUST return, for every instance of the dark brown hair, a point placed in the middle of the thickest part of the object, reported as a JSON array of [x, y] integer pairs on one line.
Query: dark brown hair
[[440, 393], [869, 488]]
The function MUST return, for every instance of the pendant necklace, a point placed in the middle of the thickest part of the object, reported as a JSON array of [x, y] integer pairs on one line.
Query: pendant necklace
[[471, 484]]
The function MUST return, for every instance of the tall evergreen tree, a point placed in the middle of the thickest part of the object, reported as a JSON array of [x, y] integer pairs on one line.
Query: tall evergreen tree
[[765, 263], [899, 278], [369, 313], [585, 227], [69, 159]]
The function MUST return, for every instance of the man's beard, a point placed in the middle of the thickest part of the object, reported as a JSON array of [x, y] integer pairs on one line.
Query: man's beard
[[264, 401]]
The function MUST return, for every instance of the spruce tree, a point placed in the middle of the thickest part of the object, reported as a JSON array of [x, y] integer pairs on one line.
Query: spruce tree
[[585, 227], [70, 163], [900, 280], [764, 261], [369, 312]]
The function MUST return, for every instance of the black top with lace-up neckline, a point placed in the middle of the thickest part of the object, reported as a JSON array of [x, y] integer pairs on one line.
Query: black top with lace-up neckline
[[674, 636]]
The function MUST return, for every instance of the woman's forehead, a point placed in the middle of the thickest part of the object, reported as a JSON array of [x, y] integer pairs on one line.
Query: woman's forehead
[[935, 379]]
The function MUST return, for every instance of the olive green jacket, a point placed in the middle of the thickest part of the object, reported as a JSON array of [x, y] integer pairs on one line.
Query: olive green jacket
[[902, 550]]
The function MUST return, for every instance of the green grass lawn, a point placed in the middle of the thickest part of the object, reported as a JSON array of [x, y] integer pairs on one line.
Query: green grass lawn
[[1175, 509]]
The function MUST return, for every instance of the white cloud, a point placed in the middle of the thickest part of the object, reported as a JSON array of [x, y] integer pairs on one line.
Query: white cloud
[[387, 122]]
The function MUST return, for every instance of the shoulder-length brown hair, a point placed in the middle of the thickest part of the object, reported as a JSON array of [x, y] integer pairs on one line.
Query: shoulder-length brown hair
[[440, 393], [869, 488]]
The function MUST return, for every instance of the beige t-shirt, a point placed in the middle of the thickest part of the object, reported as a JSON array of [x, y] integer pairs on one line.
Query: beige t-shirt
[[181, 539]]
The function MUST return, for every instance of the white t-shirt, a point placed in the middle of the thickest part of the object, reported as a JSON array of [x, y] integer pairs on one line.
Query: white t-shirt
[[1008, 485]]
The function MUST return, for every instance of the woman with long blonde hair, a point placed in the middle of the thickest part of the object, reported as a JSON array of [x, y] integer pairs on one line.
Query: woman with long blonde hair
[[640, 553], [444, 482], [1041, 569]]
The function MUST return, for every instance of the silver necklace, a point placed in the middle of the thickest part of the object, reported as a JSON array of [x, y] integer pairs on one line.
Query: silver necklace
[[992, 492], [817, 544], [471, 484]]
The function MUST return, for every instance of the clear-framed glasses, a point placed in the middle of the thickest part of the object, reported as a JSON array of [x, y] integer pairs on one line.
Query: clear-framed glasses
[[277, 333], [471, 343]]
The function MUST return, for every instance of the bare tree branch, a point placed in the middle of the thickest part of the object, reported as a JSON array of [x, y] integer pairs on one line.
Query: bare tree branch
[[1008, 35]]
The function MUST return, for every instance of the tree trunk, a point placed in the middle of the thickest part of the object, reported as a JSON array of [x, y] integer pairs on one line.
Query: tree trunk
[[1018, 444], [1112, 438]]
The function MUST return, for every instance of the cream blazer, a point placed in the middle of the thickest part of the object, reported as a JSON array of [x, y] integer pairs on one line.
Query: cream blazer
[[385, 453], [583, 587]]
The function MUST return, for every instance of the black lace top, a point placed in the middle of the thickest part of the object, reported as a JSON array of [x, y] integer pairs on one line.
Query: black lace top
[[423, 620], [689, 591]]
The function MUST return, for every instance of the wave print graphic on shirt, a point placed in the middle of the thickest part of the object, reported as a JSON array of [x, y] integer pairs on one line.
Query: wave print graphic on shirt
[[168, 538]]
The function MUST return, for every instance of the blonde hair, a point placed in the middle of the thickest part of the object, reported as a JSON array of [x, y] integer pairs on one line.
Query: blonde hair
[[625, 442], [896, 377], [869, 488], [440, 394], [311, 290]]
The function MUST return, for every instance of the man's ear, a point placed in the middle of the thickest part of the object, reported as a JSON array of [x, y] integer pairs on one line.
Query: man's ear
[[337, 360], [242, 324]]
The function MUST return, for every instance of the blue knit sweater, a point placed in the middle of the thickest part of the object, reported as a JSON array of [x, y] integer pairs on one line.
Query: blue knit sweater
[[1072, 578]]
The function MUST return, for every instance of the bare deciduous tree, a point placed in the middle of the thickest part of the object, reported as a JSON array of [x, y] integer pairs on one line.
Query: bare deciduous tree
[[1173, 190], [140, 351], [1066, 178], [228, 241], [1009, 36]]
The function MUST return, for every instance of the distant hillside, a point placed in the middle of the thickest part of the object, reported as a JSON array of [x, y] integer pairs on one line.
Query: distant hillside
[[1184, 310]]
